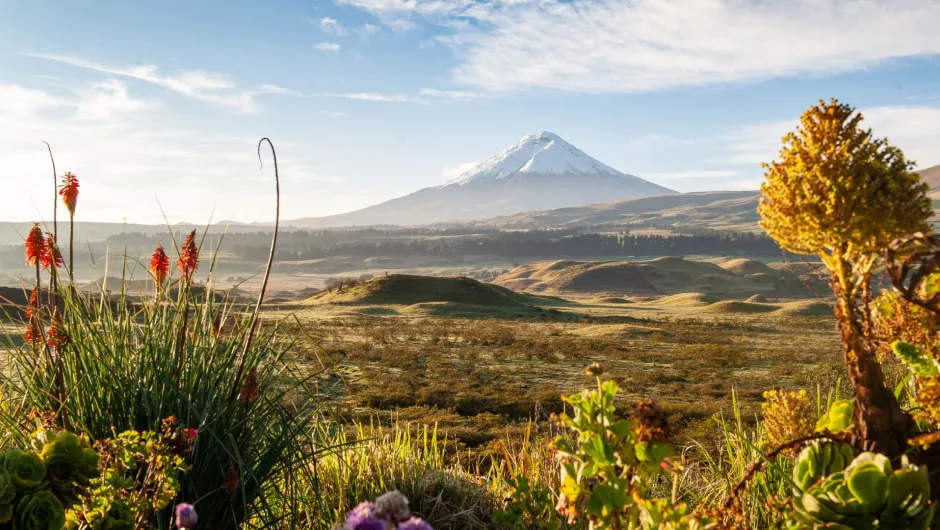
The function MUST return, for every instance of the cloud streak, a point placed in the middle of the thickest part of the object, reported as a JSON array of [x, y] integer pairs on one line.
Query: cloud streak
[[615, 46], [329, 47], [210, 87]]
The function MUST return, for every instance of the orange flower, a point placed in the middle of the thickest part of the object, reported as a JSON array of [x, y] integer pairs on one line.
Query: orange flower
[[33, 335], [36, 248], [189, 259], [51, 250], [33, 309], [159, 265], [69, 191], [57, 335]]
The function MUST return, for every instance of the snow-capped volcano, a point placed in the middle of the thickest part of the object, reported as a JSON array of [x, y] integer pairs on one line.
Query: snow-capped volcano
[[544, 152], [539, 172]]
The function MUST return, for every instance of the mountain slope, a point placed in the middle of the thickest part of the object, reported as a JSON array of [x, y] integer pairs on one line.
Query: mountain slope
[[714, 209], [931, 176], [538, 172]]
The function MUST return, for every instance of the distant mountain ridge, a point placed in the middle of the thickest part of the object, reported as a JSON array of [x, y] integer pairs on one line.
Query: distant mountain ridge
[[539, 172]]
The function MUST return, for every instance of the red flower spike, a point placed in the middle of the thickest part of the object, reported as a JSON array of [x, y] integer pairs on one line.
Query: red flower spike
[[57, 335], [33, 309], [35, 246], [69, 191], [159, 265], [189, 259], [51, 250], [33, 335]]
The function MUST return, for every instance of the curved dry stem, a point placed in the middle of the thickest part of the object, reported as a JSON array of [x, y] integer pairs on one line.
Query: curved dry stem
[[267, 269], [53, 281]]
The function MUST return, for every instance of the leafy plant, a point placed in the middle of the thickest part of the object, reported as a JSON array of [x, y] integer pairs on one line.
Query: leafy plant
[[609, 466], [141, 476]]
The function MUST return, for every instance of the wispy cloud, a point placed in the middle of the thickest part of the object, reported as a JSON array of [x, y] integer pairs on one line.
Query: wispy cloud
[[210, 87], [455, 171], [387, 98], [330, 47], [279, 90], [451, 94], [129, 151], [367, 30], [616, 46], [332, 27], [915, 129]]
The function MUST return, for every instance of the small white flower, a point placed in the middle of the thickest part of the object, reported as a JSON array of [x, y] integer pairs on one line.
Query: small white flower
[[392, 506]]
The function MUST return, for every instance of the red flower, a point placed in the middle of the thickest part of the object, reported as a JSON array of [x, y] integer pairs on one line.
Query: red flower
[[159, 265], [57, 335], [69, 191], [51, 250], [189, 259], [36, 248], [33, 335], [33, 309]]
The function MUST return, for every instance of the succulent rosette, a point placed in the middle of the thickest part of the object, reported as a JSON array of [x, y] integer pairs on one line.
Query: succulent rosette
[[7, 495], [39, 511], [70, 464], [27, 471]]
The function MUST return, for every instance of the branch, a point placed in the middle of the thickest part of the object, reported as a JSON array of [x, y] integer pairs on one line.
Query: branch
[[757, 465]]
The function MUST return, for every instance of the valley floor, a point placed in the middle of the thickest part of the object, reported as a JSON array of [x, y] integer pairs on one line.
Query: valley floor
[[481, 376]]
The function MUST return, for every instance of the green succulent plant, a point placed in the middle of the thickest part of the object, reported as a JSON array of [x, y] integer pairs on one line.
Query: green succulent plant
[[866, 494], [39, 511], [819, 460], [27, 471], [838, 418], [7, 496], [70, 464]]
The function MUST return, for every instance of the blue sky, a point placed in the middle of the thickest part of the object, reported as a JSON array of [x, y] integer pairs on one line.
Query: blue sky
[[372, 99]]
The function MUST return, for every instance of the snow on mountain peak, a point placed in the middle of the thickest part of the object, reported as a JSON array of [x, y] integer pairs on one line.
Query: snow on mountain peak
[[542, 153]]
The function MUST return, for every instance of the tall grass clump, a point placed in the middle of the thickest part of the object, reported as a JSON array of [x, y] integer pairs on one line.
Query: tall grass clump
[[103, 364], [368, 460]]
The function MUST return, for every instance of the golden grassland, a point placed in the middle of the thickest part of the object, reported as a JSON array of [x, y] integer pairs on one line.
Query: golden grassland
[[481, 372]]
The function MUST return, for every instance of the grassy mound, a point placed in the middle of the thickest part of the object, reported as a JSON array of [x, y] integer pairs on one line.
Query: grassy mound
[[732, 306], [687, 300], [745, 266], [406, 289], [757, 299], [609, 300], [806, 308], [666, 275]]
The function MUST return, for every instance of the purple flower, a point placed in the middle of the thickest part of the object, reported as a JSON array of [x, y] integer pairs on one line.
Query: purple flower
[[414, 524], [186, 516], [363, 517]]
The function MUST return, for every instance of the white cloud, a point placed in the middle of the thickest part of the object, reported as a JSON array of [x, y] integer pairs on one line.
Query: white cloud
[[387, 98], [450, 94], [616, 46], [453, 172], [129, 152], [915, 129], [367, 30], [330, 47], [210, 87], [278, 90], [332, 26]]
